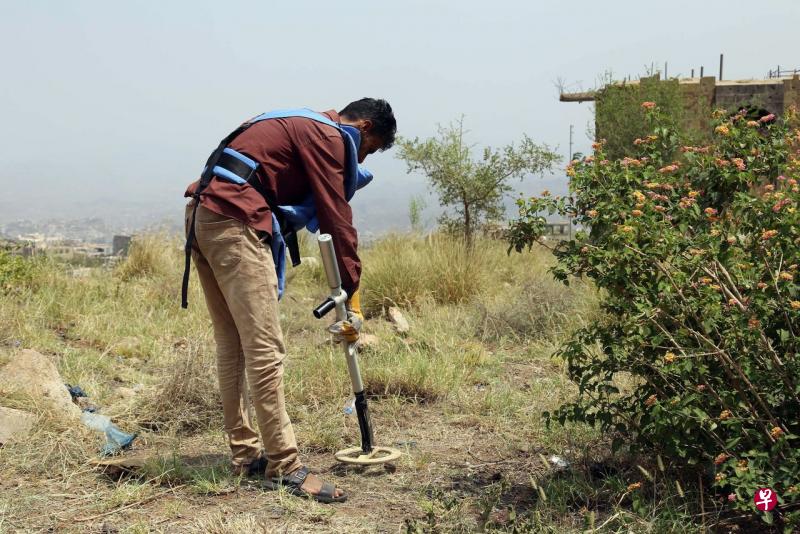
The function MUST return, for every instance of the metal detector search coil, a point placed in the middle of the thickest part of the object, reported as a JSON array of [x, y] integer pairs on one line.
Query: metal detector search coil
[[367, 454]]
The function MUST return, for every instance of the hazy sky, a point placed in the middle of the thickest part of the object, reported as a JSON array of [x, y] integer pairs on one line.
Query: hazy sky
[[108, 105]]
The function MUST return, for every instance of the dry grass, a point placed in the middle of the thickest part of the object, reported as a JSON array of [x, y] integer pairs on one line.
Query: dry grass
[[412, 271], [470, 379], [149, 255], [187, 400]]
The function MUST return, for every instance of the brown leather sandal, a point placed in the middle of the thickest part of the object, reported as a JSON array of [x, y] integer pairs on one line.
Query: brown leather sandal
[[293, 483]]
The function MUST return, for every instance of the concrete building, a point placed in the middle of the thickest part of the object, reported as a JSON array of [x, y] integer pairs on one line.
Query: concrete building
[[701, 95]]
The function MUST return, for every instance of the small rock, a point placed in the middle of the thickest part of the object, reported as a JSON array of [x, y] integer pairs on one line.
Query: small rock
[[368, 341], [397, 319], [33, 374], [558, 462], [14, 424]]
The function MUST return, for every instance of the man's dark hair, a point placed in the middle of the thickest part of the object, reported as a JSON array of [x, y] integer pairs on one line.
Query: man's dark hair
[[379, 112]]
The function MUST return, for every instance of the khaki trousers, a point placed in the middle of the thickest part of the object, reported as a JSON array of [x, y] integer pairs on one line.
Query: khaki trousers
[[238, 278]]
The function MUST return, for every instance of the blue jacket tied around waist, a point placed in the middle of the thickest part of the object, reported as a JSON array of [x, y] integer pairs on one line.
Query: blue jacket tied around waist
[[303, 215]]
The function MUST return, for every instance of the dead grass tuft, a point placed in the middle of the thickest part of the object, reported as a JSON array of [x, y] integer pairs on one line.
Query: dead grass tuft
[[187, 400], [150, 255]]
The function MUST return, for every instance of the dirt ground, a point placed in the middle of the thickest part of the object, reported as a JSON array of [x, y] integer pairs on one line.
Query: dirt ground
[[450, 453]]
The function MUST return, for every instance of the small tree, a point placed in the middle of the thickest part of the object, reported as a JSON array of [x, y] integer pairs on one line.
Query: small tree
[[472, 189]]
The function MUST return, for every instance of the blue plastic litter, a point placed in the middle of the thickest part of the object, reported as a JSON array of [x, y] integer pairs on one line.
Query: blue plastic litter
[[116, 440], [76, 391]]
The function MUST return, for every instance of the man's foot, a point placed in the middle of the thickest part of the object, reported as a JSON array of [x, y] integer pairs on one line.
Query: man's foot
[[304, 484], [255, 468]]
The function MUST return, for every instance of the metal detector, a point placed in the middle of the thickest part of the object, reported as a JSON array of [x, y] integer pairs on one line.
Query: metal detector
[[367, 454]]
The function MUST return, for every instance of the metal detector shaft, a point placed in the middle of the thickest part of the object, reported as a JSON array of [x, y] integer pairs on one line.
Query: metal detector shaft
[[337, 300]]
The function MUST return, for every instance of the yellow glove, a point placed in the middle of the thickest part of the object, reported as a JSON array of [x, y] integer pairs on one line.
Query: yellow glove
[[354, 305]]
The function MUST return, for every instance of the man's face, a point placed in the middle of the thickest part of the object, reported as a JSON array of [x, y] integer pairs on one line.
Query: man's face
[[370, 143]]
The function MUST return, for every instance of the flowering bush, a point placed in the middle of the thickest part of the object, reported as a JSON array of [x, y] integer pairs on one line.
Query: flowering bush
[[697, 252]]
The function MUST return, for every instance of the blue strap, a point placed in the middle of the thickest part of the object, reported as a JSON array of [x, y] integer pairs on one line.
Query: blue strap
[[278, 247]]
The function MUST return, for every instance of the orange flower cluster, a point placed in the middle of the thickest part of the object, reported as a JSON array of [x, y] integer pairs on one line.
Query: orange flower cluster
[[650, 401], [634, 486], [670, 357], [762, 285], [739, 162], [786, 276], [686, 202], [776, 432], [768, 234], [710, 212], [725, 415], [778, 206], [722, 458], [626, 229], [722, 129], [642, 141], [630, 162], [669, 169], [795, 304], [637, 213], [742, 464], [592, 213], [696, 149], [722, 162], [648, 105], [752, 124]]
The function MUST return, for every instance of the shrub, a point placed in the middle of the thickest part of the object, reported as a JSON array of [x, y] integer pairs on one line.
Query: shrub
[[16, 272], [696, 251]]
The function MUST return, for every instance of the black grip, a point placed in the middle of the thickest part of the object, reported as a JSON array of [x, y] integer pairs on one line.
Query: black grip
[[323, 309]]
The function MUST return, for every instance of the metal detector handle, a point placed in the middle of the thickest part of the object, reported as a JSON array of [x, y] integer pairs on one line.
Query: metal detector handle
[[338, 295]]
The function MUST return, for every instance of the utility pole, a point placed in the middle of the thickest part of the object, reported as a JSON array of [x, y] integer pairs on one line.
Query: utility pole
[[570, 141], [571, 129], [720, 67]]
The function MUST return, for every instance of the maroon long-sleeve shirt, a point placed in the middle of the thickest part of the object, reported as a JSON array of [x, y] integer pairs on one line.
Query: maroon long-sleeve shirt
[[297, 157]]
